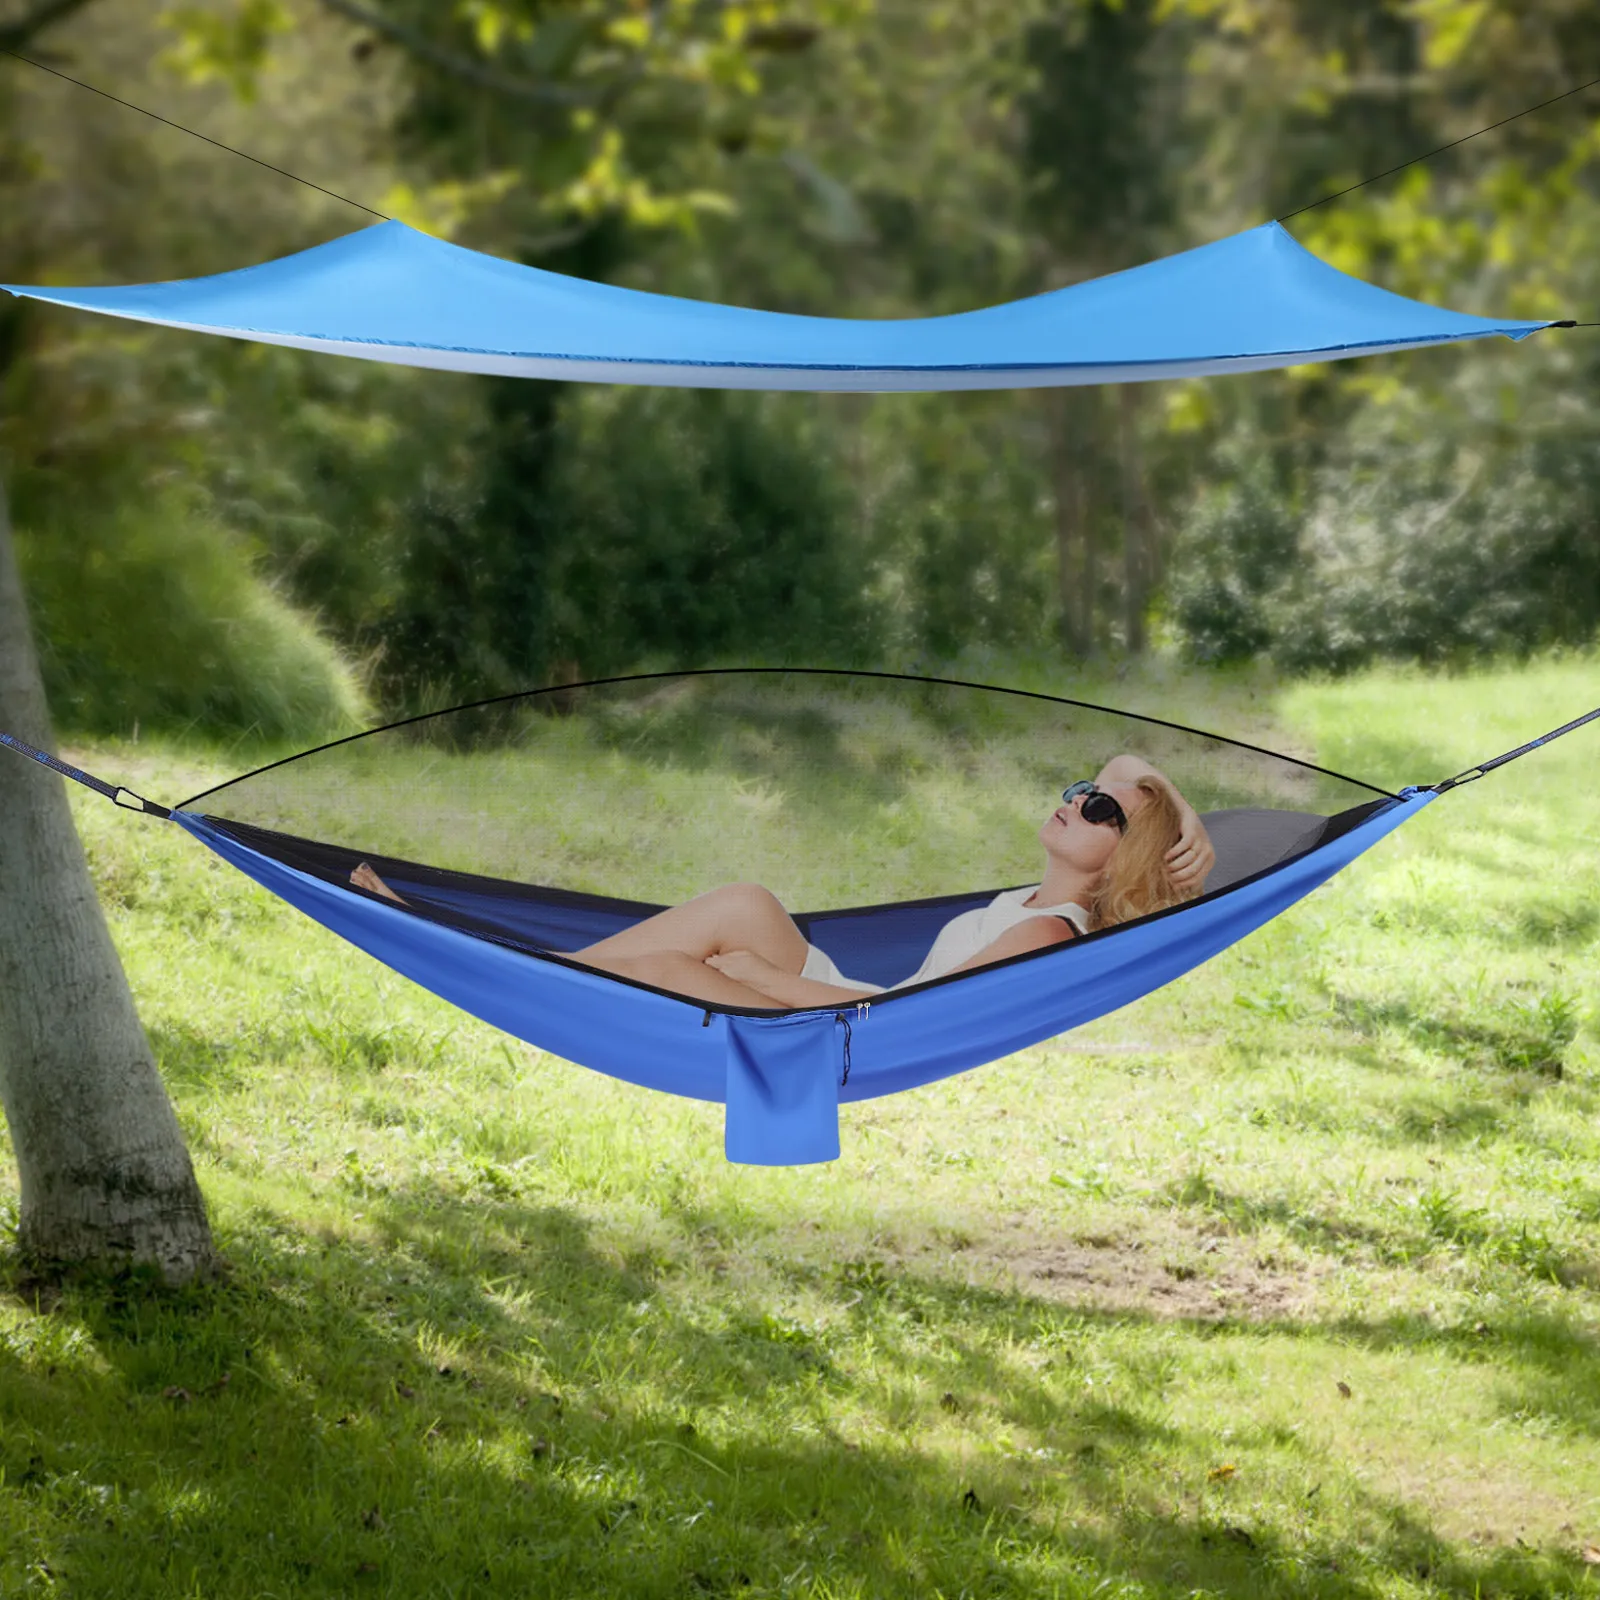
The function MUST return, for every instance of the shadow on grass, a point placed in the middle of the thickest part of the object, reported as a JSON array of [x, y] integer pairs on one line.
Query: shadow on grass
[[1421, 1223], [484, 1398], [1556, 926], [194, 1058], [1556, 1362], [1429, 1116], [1530, 1038]]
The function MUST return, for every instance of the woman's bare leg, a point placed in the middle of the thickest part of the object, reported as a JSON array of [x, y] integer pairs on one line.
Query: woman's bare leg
[[738, 916], [669, 950], [365, 878]]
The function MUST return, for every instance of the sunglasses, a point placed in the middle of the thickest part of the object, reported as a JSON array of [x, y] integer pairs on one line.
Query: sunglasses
[[1098, 806]]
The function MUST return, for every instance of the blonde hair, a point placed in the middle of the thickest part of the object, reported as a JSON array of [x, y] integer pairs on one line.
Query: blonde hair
[[1136, 880]]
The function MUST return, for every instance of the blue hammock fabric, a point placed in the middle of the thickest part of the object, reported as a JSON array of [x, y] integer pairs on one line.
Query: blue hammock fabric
[[783, 1076], [1255, 301]]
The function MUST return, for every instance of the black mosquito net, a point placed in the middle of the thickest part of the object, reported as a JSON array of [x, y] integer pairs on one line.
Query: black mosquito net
[[835, 790]]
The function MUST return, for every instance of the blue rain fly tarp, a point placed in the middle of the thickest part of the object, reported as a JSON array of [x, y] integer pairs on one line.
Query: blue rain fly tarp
[[388, 293], [783, 1076]]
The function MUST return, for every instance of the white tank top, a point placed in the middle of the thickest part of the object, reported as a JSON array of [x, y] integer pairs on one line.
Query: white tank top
[[960, 939], [963, 937]]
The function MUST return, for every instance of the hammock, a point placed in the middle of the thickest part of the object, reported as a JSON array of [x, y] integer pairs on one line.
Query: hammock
[[674, 782], [507, 863]]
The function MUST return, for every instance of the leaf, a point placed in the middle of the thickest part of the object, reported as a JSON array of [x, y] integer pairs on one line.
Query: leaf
[[232, 48]]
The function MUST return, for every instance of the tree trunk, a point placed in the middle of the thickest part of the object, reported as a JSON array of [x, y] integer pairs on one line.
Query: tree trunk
[[1138, 534], [1071, 444], [106, 1179]]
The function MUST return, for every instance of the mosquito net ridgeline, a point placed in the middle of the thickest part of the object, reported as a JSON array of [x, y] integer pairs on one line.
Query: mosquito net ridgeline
[[876, 808]]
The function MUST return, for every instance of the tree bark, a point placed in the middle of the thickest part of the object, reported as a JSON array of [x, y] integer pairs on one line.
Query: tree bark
[[106, 1180], [1071, 445], [1139, 575], [18, 33]]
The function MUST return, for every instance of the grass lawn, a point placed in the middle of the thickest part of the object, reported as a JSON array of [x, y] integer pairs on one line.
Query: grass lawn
[[1285, 1281]]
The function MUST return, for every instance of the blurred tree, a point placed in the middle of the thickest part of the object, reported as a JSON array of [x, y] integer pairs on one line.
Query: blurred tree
[[879, 178], [1103, 127], [633, 527], [1422, 506], [572, 136], [18, 32], [894, 159]]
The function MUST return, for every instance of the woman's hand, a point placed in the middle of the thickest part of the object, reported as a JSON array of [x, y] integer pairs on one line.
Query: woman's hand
[[755, 972], [1192, 857]]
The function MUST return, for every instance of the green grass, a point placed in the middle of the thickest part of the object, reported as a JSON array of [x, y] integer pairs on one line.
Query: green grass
[[1074, 1325]]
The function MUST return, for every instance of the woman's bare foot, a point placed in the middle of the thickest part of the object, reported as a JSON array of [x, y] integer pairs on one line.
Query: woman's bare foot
[[365, 878]]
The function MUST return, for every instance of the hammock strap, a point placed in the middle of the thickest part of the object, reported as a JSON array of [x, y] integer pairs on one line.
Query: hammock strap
[[1472, 774], [126, 798]]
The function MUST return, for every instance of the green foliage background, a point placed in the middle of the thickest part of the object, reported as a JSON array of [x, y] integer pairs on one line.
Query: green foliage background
[[381, 539]]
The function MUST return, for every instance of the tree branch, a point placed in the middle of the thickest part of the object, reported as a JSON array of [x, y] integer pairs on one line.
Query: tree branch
[[418, 43], [19, 33]]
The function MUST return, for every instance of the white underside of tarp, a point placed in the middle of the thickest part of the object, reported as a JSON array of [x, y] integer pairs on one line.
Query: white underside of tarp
[[712, 375]]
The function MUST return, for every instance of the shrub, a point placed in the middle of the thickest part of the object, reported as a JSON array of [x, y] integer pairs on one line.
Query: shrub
[[157, 617], [1433, 533], [1234, 558], [616, 528]]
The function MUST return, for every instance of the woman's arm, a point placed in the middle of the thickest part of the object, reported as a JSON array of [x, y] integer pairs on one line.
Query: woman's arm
[[1192, 857], [783, 988], [1037, 933]]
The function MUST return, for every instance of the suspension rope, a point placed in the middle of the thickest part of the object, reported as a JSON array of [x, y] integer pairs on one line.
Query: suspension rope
[[1472, 774], [1338, 194], [282, 172], [126, 798], [1439, 150]]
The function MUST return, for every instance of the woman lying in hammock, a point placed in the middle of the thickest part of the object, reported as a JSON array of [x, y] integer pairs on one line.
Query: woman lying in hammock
[[1120, 847]]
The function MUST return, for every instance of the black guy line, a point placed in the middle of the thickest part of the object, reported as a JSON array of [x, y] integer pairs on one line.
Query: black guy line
[[157, 117], [802, 672], [1428, 155]]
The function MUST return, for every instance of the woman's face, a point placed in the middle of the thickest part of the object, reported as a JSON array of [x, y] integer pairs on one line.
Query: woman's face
[[1070, 838]]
